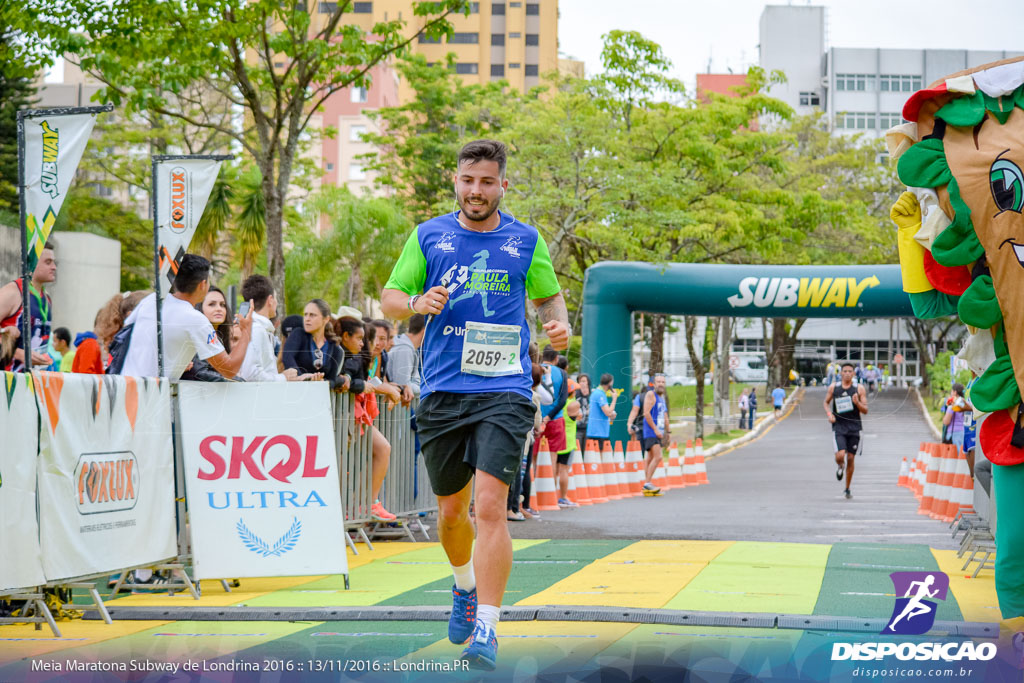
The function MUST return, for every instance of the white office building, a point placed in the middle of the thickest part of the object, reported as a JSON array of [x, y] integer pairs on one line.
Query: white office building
[[861, 89]]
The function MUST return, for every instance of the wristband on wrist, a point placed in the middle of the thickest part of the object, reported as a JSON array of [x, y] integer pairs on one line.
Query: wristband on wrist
[[412, 302]]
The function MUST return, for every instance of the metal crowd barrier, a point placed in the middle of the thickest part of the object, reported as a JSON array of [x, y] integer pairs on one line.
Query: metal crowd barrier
[[406, 491]]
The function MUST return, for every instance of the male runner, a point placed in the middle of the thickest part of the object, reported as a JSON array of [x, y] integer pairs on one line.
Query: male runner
[[11, 311], [475, 408], [844, 404], [655, 428]]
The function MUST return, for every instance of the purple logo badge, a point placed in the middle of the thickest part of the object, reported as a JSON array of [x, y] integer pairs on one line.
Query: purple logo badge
[[914, 612]]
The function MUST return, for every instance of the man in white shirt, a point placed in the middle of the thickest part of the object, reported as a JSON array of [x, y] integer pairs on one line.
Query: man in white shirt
[[260, 363], [187, 332]]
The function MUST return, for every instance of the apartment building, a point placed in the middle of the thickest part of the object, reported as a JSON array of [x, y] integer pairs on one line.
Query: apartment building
[[862, 89]]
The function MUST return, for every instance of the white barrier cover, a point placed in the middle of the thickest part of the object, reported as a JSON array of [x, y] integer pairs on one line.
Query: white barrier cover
[[106, 473], [22, 565], [262, 479]]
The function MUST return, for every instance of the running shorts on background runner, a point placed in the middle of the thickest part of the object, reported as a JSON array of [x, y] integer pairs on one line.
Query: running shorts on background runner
[[846, 442]]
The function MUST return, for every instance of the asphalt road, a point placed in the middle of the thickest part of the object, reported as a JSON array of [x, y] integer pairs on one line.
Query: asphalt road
[[781, 487]]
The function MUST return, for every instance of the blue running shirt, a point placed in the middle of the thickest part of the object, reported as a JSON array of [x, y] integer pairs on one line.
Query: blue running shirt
[[489, 276]]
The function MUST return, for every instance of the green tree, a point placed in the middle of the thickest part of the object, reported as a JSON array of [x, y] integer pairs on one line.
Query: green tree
[[414, 155], [277, 62], [350, 262], [84, 212], [18, 66]]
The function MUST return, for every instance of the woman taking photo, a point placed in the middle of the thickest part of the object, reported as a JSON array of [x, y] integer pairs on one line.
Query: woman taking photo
[[358, 341], [313, 348]]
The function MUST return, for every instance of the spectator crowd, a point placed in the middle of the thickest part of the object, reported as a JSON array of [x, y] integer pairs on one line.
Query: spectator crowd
[[205, 340]]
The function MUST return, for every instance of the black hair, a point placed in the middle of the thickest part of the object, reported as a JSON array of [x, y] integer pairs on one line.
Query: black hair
[[350, 326], [958, 388], [223, 330], [64, 334], [847, 363], [257, 288], [583, 375], [485, 150], [192, 270], [383, 323], [563, 362], [416, 323], [606, 379], [549, 354]]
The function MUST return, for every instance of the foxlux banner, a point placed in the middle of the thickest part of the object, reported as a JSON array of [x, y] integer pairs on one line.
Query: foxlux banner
[[183, 187], [106, 473], [54, 144], [22, 562], [261, 477]]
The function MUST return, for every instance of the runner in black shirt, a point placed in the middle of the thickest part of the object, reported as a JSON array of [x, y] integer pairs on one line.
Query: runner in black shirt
[[845, 402]]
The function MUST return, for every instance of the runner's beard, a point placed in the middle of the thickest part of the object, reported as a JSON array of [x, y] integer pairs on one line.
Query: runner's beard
[[478, 214]]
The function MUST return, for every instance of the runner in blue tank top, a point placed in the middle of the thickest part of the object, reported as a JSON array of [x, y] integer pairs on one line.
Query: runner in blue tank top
[[471, 272], [655, 428]]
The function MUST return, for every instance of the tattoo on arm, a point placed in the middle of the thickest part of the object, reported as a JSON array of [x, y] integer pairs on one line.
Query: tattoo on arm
[[553, 309]]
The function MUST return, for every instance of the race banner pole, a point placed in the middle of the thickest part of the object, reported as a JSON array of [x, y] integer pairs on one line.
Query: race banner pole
[[56, 149], [178, 203]]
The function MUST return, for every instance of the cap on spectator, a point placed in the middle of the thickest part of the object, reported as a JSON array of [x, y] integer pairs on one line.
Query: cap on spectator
[[348, 312], [291, 322]]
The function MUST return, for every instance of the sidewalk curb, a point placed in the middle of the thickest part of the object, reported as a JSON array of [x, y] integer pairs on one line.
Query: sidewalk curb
[[927, 416], [758, 429]]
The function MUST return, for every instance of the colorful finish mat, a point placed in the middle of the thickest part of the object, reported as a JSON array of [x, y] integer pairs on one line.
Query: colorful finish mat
[[849, 579]]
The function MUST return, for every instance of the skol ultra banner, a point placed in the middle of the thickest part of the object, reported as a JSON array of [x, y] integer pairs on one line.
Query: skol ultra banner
[[261, 476], [106, 473], [54, 144], [182, 188], [21, 566]]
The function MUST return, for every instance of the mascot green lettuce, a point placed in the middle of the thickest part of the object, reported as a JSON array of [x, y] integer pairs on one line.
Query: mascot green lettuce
[[961, 241]]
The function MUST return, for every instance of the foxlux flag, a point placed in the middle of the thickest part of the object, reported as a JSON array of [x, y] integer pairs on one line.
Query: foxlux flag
[[183, 186], [54, 144]]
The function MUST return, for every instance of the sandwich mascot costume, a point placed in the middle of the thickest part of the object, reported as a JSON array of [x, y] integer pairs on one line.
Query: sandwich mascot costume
[[961, 242]]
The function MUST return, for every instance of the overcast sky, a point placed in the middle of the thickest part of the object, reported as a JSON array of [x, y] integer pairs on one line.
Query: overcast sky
[[693, 31]]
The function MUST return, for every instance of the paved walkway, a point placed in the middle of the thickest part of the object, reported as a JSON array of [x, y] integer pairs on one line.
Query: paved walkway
[[781, 487]]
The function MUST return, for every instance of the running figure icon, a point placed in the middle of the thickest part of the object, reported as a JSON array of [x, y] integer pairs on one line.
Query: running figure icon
[[914, 606], [477, 266]]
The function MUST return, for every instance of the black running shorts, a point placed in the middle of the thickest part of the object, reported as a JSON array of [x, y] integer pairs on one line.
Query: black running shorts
[[650, 442], [846, 442], [462, 433]]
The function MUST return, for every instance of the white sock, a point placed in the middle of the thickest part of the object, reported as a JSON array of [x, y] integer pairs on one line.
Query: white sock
[[143, 574], [465, 579], [488, 614]]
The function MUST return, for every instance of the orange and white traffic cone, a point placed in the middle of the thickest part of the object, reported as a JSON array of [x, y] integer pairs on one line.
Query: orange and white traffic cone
[[944, 490], [931, 480], [689, 465], [904, 472], [611, 486], [595, 480], [634, 467], [702, 468], [578, 478], [660, 478], [675, 470], [621, 475], [544, 496]]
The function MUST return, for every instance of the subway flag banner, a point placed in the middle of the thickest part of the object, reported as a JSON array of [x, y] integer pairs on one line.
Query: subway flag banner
[[183, 187], [106, 470], [261, 476], [54, 144], [22, 566]]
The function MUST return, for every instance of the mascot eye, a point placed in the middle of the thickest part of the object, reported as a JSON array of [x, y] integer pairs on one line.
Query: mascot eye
[[1007, 183]]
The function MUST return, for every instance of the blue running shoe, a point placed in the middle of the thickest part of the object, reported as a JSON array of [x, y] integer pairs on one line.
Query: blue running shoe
[[463, 618], [482, 652]]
